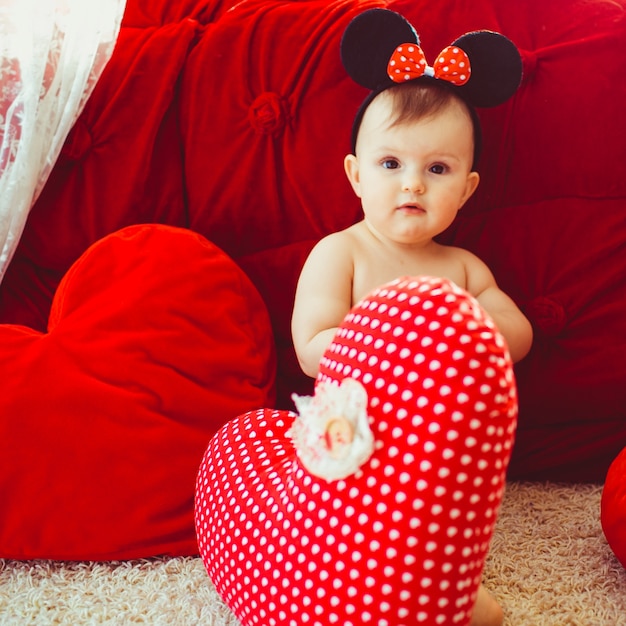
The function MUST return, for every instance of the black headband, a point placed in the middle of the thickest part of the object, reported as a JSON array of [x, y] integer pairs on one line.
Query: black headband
[[380, 49]]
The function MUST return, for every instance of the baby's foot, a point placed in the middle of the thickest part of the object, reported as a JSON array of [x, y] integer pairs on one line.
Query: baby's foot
[[487, 611]]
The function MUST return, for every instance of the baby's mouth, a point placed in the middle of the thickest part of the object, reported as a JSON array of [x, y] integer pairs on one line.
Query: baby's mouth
[[410, 207]]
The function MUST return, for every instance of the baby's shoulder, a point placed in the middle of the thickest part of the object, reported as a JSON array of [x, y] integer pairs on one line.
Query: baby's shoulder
[[460, 254], [478, 276], [333, 241], [342, 240], [334, 249]]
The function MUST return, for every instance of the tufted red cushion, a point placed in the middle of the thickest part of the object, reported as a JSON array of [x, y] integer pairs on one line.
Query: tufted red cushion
[[270, 73], [613, 507], [236, 120], [266, 108], [403, 538], [119, 166], [155, 340]]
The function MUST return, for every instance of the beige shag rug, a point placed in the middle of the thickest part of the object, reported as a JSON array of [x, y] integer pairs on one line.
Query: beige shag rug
[[549, 566]]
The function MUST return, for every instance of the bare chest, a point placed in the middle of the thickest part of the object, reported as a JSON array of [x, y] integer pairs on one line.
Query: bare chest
[[371, 271]]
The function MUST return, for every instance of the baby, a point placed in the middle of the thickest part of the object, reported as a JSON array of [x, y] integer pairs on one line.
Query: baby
[[416, 143], [413, 166], [413, 169]]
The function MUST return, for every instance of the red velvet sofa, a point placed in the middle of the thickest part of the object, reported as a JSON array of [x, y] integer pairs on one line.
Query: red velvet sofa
[[149, 299]]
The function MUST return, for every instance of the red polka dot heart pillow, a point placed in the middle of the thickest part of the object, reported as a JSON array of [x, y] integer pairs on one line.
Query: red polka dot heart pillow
[[376, 503]]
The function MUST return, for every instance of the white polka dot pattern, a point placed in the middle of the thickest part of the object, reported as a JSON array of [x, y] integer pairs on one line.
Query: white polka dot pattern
[[404, 539], [408, 63]]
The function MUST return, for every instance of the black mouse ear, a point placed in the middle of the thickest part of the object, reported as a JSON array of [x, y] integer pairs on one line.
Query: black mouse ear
[[368, 43], [496, 68]]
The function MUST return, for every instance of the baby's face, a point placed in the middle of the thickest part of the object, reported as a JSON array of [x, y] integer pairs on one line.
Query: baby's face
[[412, 177]]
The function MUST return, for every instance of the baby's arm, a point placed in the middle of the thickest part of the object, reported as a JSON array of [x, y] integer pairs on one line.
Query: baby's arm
[[323, 298], [510, 321]]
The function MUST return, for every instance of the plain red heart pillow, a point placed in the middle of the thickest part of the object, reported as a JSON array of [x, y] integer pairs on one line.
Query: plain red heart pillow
[[156, 338], [301, 522]]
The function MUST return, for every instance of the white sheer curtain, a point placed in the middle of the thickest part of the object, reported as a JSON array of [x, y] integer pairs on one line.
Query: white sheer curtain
[[52, 53]]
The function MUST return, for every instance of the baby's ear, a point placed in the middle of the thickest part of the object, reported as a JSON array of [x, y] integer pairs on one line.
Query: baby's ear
[[473, 178], [351, 167]]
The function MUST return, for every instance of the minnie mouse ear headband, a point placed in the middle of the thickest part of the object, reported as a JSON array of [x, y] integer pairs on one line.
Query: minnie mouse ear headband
[[380, 49]]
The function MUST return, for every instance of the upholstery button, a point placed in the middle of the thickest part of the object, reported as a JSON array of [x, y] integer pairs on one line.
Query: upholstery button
[[267, 114], [547, 315]]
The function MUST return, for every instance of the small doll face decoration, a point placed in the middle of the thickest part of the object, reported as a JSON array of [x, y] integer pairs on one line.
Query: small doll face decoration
[[338, 437], [332, 434]]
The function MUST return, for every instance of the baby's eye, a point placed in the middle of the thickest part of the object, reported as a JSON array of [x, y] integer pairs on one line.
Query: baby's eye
[[390, 164], [438, 168]]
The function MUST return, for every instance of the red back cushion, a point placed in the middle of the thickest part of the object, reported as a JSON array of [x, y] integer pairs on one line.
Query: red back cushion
[[236, 122], [155, 340], [119, 166], [266, 113]]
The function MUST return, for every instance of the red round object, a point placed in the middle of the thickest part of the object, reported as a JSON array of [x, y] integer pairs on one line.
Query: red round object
[[613, 507]]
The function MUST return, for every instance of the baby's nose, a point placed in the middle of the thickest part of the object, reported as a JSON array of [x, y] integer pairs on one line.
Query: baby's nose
[[413, 183]]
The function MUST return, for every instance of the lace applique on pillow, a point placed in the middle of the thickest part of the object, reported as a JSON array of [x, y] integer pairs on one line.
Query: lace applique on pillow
[[332, 435]]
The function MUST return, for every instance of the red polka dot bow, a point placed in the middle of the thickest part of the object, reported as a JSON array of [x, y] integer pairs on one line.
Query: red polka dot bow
[[408, 62]]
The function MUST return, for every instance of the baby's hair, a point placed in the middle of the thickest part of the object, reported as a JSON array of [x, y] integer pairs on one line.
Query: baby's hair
[[418, 99]]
